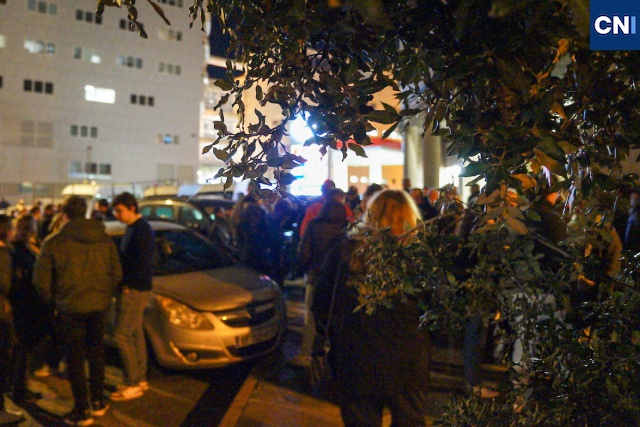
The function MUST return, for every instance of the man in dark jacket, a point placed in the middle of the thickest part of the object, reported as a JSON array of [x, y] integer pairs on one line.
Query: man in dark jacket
[[632, 234], [81, 264], [321, 234], [136, 254]]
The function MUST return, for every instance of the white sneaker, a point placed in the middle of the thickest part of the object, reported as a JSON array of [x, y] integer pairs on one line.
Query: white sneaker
[[144, 385], [126, 393]]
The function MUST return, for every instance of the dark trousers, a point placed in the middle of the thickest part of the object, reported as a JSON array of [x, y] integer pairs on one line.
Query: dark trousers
[[407, 409], [471, 350], [6, 343], [82, 335]]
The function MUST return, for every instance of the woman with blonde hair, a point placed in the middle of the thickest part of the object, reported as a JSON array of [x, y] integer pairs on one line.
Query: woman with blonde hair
[[382, 359]]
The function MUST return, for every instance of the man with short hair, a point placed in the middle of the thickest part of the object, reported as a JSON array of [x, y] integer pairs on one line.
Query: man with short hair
[[136, 254], [78, 270]]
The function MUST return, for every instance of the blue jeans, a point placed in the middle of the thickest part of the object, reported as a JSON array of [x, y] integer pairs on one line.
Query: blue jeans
[[129, 334]]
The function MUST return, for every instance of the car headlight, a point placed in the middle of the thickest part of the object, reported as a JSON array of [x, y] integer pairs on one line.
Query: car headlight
[[181, 315]]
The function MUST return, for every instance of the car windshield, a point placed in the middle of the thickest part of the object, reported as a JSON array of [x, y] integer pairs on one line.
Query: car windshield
[[181, 251]]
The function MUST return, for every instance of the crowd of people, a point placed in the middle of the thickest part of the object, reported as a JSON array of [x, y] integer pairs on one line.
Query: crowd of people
[[60, 271], [56, 287]]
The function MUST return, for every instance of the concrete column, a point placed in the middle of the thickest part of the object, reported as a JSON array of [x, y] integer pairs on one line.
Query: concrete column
[[431, 160], [422, 156]]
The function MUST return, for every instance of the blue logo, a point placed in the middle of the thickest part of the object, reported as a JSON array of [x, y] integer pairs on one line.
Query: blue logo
[[614, 25]]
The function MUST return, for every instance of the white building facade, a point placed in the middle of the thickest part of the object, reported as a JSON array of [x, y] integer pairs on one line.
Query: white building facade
[[85, 98]]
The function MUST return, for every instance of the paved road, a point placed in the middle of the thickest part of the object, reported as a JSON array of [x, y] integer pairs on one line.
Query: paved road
[[201, 398]]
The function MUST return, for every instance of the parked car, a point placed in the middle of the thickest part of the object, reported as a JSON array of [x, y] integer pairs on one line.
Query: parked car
[[195, 213], [206, 311]]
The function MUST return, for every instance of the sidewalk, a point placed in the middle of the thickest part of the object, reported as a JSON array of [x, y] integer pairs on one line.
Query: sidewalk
[[277, 394]]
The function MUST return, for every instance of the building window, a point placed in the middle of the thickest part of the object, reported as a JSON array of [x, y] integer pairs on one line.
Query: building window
[[86, 55], [176, 3], [172, 69], [89, 170], [85, 16], [104, 169], [36, 134], [3, 42], [166, 139], [99, 94], [38, 86], [28, 86], [127, 25], [169, 34], [1, 82], [48, 88], [129, 62], [3, 2], [38, 46], [42, 7], [74, 130], [142, 100]]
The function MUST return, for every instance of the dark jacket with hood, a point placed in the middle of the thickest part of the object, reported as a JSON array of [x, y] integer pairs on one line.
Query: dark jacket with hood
[[321, 235], [78, 268]]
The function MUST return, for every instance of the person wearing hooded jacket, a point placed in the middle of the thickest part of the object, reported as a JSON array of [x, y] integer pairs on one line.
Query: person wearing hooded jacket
[[78, 270], [321, 234]]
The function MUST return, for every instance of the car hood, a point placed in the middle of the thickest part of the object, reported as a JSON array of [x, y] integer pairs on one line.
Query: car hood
[[215, 290]]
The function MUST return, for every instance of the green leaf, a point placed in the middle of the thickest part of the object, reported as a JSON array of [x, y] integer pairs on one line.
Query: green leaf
[[473, 169], [223, 84], [221, 154], [384, 117], [358, 150]]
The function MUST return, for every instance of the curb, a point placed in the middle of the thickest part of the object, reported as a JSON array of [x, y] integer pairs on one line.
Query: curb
[[236, 409]]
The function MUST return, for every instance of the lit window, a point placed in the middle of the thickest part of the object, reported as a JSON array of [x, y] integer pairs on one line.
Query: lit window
[[94, 58], [98, 94], [33, 46], [167, 139], [353, 179], [3, 42]]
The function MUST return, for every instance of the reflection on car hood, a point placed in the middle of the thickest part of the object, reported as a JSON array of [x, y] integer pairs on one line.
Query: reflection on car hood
[[214, 290]]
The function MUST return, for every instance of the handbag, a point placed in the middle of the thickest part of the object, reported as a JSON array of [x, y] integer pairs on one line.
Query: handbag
[[320, 367]]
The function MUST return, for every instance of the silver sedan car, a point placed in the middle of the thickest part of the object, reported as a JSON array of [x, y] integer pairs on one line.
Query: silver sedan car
[[206, 311]]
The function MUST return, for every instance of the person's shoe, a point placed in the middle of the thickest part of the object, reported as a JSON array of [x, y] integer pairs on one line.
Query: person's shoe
[[144, 385], [43, 372], [78, 418], [99, 408], [485, 392], [127, 393]]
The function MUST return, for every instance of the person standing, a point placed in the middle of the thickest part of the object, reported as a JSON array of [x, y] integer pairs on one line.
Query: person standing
[[379, 359], [136, 254], [632, 233], [78, 270], [32, 316], [6, 321]]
